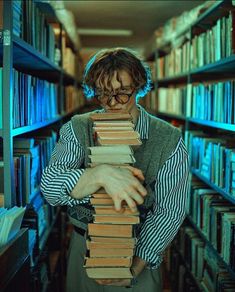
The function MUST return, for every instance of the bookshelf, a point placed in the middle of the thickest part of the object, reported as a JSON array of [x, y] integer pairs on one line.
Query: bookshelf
[[40, 91], [199, 61]]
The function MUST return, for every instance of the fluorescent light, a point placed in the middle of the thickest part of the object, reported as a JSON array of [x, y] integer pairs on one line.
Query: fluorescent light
[[104, 32]]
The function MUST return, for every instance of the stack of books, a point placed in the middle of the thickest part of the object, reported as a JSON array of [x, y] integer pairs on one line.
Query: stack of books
[[111, 238]]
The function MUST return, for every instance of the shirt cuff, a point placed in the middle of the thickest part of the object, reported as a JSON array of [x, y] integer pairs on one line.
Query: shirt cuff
[[154, 260], [70, 179]]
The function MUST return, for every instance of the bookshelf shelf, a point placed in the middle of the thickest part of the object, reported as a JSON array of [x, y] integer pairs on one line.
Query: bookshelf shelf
[[215, 252], [226, 195], [224, 65], [177, 79], [171, 116], [223, 126], [14, 260], [27, 129]]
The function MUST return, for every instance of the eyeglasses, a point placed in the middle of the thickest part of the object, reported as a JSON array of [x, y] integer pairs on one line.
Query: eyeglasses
[[121, 98]]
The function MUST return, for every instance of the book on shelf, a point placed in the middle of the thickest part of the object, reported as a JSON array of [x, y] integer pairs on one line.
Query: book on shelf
[[10, 223]]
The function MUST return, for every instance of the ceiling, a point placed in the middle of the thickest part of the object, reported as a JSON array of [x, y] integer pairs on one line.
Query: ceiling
[[141, 17]]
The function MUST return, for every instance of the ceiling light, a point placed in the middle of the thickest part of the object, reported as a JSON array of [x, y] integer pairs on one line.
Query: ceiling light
[[104, 32]]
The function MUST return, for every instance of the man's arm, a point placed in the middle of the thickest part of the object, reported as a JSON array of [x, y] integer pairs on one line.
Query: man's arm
[[161, 225], [64, 182], [64, 169]]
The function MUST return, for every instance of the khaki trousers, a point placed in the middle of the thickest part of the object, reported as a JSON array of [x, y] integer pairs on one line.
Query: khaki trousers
[[78, 281]]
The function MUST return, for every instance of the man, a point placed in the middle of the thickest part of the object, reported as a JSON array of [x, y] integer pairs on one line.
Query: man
[[117, 78]]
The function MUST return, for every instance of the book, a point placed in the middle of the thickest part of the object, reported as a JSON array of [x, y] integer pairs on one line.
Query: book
[[110, 230], [115, 149], [107, 116], [109, 219], [109, 273], [118, 135], [112, 159], [104, 201], [109, 245], [109, 210], [108, 262], [10, 222], [106, 142], [113, 124], [103, 239], [113, 128], [111, 252]]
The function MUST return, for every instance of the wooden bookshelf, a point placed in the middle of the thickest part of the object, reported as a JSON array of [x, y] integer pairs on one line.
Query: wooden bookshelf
[[211, 246], [28, 52], [221, 70], [14, 258]]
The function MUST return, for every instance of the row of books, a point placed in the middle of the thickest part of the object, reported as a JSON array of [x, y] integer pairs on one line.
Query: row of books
[[215, 43], [208, 47], [175, 25], [31, 156], [10, 223], [213, 157], [212, 102], [38, 218], [150, 101], [34, 28], [215, 217], [175, 63], [34, 100], [111, 235], [172, 100], [209, 272], [72, 99], [180, 275]]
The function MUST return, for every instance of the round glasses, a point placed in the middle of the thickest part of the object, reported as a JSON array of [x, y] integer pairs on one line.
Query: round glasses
[[121, 98]]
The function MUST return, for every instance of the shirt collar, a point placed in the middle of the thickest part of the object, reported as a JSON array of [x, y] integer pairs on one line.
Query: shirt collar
[[142, 125]]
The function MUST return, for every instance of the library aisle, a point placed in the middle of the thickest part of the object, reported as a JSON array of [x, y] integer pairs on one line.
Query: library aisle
[[189, 48]]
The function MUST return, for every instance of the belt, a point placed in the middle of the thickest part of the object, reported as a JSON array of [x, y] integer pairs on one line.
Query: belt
[[79, 230]]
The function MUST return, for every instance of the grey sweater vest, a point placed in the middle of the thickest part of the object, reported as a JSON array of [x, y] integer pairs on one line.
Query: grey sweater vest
[[150, 157]]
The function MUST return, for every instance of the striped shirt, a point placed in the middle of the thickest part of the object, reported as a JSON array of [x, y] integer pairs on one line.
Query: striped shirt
[[171, 188]]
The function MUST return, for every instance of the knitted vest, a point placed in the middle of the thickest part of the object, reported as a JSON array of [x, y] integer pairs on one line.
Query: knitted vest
[[150, 157]]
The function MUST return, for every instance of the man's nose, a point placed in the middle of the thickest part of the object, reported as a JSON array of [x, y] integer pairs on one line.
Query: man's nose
[[112, 100]]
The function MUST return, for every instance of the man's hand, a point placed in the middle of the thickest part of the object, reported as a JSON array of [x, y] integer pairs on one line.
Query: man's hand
[[115, 282], [123, 184]]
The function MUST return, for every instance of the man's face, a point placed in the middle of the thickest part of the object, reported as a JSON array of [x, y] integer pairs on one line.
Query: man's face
[[121, 86]]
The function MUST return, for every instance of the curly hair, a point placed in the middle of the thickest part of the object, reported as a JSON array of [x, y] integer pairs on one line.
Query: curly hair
[[104, 64]]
